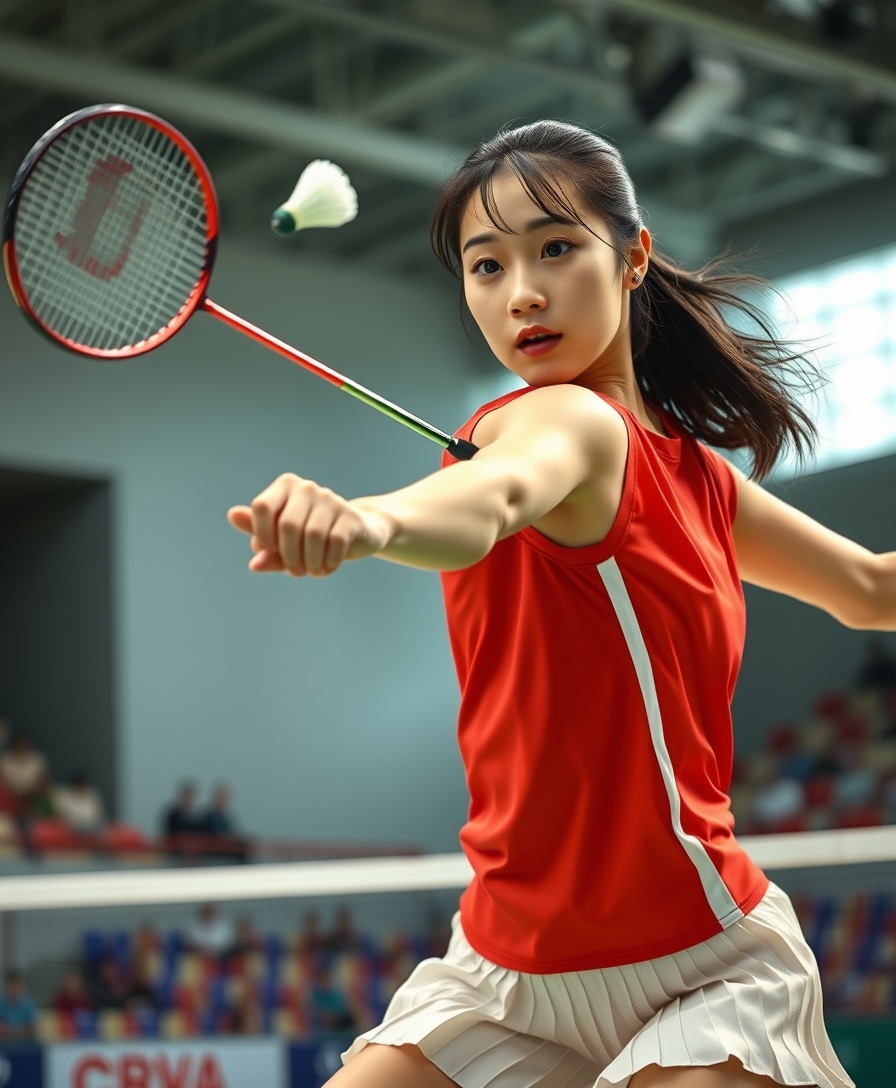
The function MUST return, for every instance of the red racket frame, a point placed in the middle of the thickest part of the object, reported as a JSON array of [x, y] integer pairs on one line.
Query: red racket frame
[[197, 300], [211, 240]]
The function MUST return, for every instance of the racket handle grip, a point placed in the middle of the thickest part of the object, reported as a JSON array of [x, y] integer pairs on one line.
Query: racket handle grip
[[461, 449]]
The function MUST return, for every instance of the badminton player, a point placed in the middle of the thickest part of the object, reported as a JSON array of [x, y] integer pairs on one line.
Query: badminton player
[[592, 555]]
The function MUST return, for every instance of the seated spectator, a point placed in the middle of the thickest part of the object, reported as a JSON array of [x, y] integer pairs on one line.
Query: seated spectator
[[181, 817], [218, 819], [243, 1015], [342, 937], [211, 935], [17, 1011], [72, 995], [23, 770], [146, 940], [37, 804], [329, 1009], [778, 804], [9, 803], [310, 939], [246, 940], [79, 805], [218, 822], [109, 989], [140, 991]]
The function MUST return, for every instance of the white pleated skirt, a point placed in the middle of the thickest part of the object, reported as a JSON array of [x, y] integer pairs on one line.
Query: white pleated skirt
[[751, 992]]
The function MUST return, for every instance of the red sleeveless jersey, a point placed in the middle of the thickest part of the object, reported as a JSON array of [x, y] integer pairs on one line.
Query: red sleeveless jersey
[[595, 723]]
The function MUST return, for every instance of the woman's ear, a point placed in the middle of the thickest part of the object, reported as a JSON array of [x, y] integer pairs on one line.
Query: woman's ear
[[639, 258]]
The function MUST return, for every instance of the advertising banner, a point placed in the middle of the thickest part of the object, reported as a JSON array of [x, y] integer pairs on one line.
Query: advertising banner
[[197, 1063], [21, 1065]]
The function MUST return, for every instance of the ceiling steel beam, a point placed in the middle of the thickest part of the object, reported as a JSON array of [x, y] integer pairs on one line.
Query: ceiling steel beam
[[158, 24], [252, 117], [792, 143], [781, 194], [437, 82], [764, 41], [274, 29], [418, 36]]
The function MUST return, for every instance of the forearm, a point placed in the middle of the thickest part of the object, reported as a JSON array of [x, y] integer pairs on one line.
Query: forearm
[[449, 520]]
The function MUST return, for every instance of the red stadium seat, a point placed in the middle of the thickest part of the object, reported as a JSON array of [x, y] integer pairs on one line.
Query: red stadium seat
[[782, 738], [48, 834], [831, 705], [123, 837]]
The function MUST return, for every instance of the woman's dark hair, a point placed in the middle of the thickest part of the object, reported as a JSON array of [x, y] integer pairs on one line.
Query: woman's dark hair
[[729, 388]]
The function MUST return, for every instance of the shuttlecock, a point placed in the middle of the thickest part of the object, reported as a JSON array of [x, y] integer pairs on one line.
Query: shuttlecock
[[323, 197]]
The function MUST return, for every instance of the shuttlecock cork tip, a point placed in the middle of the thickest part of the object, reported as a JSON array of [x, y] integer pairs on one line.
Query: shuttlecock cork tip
[[323, 197], [282, 222]]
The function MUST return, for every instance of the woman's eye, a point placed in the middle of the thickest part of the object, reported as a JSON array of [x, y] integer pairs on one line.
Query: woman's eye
[[486, 267], [557, 248]]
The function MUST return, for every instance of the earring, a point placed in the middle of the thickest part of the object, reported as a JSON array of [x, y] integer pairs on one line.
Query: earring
[[636, 279]]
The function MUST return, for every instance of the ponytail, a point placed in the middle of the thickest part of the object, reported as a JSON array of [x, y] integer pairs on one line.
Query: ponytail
[[730, 388]]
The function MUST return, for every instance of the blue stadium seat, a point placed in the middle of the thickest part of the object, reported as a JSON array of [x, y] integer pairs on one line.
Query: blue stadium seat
[[148, 1023], [94, 945], [85, 1021]]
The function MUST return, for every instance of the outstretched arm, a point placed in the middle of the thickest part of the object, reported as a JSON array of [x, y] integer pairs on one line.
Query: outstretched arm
[[544, 448], [782, 549]]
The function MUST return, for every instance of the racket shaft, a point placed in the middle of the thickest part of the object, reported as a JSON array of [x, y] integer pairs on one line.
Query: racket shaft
[[359, 392], [394, 412]]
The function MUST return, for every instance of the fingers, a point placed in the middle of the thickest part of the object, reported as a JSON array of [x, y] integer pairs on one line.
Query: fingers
[[291, 526], [240, 517], [299, 527], [320, 547], [266, 562], [267, 506]]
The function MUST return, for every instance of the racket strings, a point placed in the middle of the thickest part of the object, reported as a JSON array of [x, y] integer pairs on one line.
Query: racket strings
[[111, 233]]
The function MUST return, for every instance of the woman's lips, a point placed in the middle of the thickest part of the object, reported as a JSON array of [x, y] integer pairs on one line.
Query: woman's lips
[[541, 346]]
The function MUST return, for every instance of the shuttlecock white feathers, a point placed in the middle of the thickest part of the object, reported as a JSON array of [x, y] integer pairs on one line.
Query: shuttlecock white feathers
[[323, 197]]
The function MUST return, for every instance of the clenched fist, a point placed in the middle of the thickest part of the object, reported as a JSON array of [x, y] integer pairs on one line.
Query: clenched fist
[[302, 528]]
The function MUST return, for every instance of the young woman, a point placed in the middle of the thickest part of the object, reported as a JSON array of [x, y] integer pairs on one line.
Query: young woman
[[592, 556]]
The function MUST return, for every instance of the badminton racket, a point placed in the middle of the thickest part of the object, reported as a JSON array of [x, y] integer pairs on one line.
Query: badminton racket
[[109, 238]]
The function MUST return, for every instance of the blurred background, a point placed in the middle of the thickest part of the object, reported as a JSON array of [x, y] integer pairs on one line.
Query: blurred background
[[163, 708]]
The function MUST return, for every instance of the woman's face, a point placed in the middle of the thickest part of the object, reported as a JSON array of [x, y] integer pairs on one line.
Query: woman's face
[[550, 296]]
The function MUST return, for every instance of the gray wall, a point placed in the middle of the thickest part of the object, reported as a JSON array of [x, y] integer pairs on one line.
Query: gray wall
[[328, 704], [56, 636], [795, 652]]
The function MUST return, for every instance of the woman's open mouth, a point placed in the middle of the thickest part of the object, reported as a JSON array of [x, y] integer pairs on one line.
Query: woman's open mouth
[[537, 341]]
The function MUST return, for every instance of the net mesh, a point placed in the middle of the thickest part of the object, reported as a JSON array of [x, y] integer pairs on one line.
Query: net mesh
[[111, 233], [266, 983], [365, 942]]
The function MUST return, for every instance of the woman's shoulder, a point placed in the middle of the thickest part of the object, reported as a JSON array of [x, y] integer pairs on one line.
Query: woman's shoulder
[[537, 407]]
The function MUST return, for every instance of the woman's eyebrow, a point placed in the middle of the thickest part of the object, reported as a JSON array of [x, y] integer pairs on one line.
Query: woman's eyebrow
[[533, 225]]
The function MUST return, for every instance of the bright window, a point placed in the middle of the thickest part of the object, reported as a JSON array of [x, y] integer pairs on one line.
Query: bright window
[[846, 313]]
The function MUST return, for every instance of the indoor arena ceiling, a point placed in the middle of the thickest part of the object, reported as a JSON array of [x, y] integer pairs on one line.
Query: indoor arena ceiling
[[725, 109]]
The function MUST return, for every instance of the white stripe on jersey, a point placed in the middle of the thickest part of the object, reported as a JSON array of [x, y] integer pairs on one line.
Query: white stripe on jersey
[[717, 894]]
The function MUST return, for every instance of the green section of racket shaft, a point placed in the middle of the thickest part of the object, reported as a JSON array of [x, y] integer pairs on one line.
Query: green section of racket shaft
[[396, 413]]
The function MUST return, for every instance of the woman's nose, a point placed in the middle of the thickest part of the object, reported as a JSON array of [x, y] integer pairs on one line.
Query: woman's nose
[[525, 298]]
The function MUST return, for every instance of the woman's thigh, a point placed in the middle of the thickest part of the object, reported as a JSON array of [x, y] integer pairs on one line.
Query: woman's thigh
[[379, 1066], [730, 1074]]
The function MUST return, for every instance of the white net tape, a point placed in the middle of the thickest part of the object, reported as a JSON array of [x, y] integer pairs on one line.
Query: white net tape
[[110, 234], [363, 876]]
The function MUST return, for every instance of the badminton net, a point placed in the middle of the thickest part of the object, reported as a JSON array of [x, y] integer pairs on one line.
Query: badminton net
[[319, 947]]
